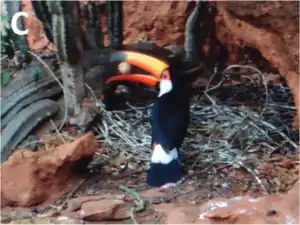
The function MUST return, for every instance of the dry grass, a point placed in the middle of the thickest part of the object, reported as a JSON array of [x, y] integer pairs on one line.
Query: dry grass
[[219, 133]]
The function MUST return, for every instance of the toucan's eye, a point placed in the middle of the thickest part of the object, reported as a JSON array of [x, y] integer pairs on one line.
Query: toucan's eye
[[165, 75]]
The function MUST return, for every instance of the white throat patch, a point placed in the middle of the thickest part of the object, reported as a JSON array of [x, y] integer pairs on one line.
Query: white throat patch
[[160, 156], [165, 86]]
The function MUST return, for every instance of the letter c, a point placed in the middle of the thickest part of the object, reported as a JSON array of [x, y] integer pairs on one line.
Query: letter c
[[14, 27]]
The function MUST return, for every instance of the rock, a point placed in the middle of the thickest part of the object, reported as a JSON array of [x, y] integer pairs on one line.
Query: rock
[[178, 213], [165, 208], [75, 203], [183, 215], [105, 209], [29, 178], [272, 209], [153, 193], [99, 208]]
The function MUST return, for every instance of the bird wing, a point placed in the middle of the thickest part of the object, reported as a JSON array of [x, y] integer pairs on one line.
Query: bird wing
[[169, 123]]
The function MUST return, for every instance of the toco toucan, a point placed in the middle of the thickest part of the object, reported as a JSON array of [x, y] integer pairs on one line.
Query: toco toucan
[[169, 116]]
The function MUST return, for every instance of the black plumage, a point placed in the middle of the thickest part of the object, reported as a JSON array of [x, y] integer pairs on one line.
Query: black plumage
[[170, 115], [169, 122]]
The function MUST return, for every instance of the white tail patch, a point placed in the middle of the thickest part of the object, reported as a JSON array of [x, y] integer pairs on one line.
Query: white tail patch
[[165, 86], [160, 156]]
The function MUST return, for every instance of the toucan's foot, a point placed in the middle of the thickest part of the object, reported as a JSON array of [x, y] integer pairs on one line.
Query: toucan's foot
[[168, 185], [161, 175]]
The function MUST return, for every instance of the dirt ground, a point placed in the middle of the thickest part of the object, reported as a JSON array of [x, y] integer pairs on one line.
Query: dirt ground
[[198, 187]]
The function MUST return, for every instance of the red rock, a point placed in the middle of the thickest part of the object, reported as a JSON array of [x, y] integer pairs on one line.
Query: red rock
[[183, 215], [99, 208], [105, 209], [29, 178], [165, 208], [272, 209], [153, 193]]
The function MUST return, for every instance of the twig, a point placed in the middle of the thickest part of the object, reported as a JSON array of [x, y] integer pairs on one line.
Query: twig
[[262, 78], [140, 205], [282, 134], [57, 131], [70, 194], [255, 176]]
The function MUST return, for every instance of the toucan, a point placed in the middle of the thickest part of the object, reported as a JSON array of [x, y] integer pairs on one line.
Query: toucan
[[170, 114]]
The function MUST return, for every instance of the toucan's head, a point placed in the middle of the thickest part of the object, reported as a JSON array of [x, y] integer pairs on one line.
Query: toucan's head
[[167, 74], [165, 82]]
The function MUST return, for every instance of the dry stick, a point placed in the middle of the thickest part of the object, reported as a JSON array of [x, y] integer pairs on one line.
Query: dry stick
[[262, 77], [70, 194], [262, 131], [282, 134], [74, 191], [254, 175], [57, 131], [207, 90], [92, 92], [140, 205], [118, 131], [283, 106]]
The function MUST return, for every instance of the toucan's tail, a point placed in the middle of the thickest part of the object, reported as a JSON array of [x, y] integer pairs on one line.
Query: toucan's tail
[[164, 167]]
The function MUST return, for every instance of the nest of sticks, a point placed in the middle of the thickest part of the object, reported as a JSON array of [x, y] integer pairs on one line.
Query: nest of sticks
[[228, 124]]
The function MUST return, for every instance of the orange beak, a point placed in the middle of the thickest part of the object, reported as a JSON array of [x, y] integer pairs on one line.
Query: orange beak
[[148, 63], [141, 78]]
